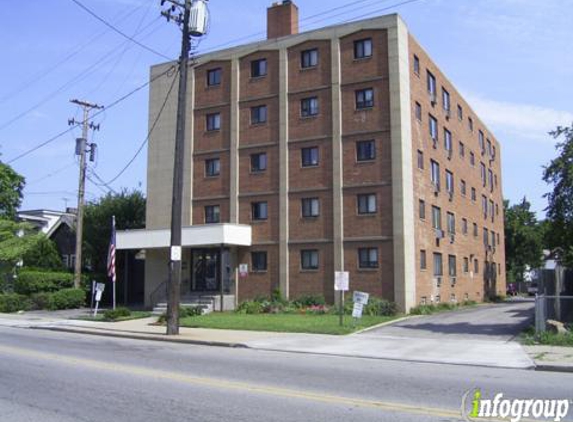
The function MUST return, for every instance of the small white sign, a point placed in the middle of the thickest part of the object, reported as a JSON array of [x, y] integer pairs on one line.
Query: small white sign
[[98, 295], [360, 297], [357, 310], [175, 253], [100, 287], [341, 281], [243, 270]]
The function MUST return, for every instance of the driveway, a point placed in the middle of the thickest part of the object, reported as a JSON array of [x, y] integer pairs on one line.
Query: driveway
[[498, 322]]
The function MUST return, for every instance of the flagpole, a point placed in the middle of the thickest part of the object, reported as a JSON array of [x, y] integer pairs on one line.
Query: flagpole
[[113, 281]]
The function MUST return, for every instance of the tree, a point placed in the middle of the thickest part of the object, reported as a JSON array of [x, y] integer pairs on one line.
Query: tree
[[16, 239], [129, 210], [11, 187], [559, 174], [523, 239], [43, 255]]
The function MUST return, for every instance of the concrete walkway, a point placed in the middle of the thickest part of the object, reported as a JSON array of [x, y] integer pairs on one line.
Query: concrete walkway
[[374, 344]]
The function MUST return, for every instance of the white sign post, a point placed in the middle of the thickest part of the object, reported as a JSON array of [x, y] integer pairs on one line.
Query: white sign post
[[360, 299], [341, 282], [243, 270], [100, 287]]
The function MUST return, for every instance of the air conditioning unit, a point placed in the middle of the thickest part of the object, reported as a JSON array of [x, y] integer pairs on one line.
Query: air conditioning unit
[[451, 195], [432, 96], [452, 238], [448, 114], [452, 281], [435, 143], [449, 154], [438, 281], [436, 188], [439, 233]]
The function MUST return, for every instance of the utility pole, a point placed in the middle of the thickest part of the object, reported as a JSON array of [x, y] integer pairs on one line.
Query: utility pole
[[81, 149], [197, 27]]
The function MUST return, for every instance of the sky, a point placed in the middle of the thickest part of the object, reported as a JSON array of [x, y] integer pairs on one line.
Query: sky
[[511, 59]]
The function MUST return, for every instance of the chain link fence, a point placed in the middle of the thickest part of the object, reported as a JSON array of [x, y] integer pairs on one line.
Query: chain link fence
[[557, 308]]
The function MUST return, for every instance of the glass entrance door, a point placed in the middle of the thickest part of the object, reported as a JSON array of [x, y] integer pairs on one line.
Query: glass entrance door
[[205, 270]]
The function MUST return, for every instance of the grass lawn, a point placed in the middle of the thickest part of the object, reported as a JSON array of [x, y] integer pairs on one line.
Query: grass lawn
[[285, 323], [547, 338], [134, 315]]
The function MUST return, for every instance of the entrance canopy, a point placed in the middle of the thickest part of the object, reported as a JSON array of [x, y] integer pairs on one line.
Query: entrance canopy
[[208, 235]]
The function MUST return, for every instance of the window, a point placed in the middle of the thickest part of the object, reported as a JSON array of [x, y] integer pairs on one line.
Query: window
[[470, 124], [472, 159], [418, 111], [490, 179], [309, 259], [258, 68], [448, 142], [365, 150], [422, 209], [368, 258], [309, 58], [493, 239], [485, 237], [463, 188], [435, 174], [212, 214], [213, 121], [464, 225], [431, 84], [258, 114], [491, 210], [259, 210], [481, 142], [310, 207], [483, 174], [309, 156], [309, 107], [423, 263], [364, 98], [438, 266], [451, 223], [259, 261], [445, 100], [366, 203], [214, 77], [489, 150], [462, 149], [420, 160], [495, 180], [474, 194], [484, 206], [363, 48], [449, 182], [258, 162], [436, 218], [476, 266], [466, 267], [460, 112], [416, 65], [475, 230], [452, 267], [433, 128], [212, 167]]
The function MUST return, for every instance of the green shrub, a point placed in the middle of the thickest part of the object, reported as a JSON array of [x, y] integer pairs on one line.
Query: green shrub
[[423, 310], [380, 307], [67, 299], [13, 302], [30, 282], [250, 307], [40, 300], [309, 300], [114, 314]]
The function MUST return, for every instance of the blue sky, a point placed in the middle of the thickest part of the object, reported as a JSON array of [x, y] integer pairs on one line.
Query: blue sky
[[511, 59]]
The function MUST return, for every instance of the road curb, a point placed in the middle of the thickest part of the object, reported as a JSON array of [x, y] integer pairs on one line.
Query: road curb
[[553, 368], [136, 336]]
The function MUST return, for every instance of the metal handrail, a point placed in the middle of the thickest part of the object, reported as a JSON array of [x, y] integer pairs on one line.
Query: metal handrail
[[159, 293]]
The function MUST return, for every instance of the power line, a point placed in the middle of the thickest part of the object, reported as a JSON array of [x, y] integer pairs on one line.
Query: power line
[[113, 104], [130, 162], [123, 34]]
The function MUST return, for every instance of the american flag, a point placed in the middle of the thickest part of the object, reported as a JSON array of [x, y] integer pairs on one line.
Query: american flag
[[111, 253]]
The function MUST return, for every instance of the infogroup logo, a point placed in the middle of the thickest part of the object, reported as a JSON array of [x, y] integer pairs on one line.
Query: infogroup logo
[[475, 407]]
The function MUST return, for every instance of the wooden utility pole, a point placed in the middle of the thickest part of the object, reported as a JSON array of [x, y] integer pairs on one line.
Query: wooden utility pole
[[81, 149]]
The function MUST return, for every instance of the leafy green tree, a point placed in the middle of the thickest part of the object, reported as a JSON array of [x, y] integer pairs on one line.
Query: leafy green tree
[[129, 210], [16, 239], [43, 255], [523, 239], [559, 174], [11, 187]]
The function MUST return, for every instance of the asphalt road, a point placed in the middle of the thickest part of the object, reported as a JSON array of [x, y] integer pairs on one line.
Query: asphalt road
[[47, 376], [499, 322]]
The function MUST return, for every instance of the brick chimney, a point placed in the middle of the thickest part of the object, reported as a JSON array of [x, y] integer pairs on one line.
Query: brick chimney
[[282, 19]]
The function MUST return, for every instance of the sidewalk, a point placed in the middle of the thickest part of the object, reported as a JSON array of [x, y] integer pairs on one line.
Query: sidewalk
[[502, 354]]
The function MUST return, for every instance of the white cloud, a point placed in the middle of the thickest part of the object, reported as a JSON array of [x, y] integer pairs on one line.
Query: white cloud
[[524, 120]]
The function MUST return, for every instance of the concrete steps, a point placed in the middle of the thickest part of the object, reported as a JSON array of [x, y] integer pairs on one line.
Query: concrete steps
[[205, 303]]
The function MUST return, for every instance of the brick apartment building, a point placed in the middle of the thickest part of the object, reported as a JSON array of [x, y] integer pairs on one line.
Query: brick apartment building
[[342, 148]]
